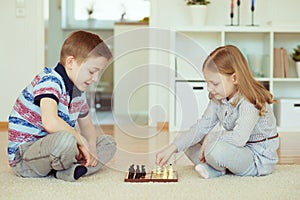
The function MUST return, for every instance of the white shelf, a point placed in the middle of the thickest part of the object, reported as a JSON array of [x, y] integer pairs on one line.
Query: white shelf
[[253, 42], [286, 79], [288, 129], [243, 29]]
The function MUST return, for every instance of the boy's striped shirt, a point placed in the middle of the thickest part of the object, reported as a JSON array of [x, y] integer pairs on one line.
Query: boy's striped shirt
[[25, 124]]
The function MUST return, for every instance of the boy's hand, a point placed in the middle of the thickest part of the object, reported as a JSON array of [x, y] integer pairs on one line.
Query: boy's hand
[[87, 154], [163, 156], [84, 156], [93, 157], [80, 157]]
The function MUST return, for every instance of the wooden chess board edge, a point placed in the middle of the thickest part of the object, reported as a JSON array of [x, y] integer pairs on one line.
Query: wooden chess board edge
[[137, 180], [151, 179]]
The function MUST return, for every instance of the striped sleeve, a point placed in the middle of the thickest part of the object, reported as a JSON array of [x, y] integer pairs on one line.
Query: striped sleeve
[[48, 86], [84, 108]]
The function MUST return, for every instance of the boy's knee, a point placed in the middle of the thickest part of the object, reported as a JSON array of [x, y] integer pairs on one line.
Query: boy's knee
[[106, 148], [64, 143], [106, 141], [64, 150]]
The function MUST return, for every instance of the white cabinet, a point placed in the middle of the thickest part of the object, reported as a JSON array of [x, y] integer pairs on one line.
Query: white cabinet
[[191, 101], [131, 69], [192, 46]]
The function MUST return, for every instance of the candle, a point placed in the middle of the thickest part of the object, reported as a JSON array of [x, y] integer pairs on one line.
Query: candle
[[238, 2], [252, 5], [232, 3]]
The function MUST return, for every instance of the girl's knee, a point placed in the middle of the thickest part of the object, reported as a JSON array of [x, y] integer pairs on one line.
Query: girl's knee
[[193, 153], [216, 153]]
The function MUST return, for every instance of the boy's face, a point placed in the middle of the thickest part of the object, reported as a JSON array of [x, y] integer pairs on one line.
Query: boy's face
[[87, 72]]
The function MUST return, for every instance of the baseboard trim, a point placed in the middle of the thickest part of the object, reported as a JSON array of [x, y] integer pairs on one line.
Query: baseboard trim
[[163, 126], [4, 125], [290, 160]]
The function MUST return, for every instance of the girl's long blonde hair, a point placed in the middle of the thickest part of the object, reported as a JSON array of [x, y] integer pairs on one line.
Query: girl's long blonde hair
[[228, 60]]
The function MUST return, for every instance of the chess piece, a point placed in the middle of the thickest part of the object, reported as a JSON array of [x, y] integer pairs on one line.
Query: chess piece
[[143, 174], [158, 170], [131, 172], [165, 173], [137, 172], [170, 172]]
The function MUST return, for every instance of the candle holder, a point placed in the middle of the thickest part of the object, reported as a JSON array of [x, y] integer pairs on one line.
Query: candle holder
[[238, 7], [252, 15], [231, 18], [231, 14]]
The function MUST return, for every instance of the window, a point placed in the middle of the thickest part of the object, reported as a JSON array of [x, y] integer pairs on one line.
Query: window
[[102, 14]]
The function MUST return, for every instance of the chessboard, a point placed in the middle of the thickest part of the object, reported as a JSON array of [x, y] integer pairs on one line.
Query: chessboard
[[158, 174]]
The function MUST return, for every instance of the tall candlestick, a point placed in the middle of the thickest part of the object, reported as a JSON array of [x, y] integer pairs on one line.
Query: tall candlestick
[[231, 11], [238, 5], [252, 12]]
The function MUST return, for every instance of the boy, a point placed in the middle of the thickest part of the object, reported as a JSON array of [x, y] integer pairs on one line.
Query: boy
[[42, 135]]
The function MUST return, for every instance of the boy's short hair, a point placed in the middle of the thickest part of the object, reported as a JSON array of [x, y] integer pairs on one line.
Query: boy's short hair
[[83, 44]]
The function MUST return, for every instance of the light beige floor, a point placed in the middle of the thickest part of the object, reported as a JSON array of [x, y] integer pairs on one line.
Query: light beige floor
[[139, 145]]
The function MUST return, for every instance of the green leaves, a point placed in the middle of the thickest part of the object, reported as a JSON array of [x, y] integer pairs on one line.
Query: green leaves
[[296, 54], [197, 2]]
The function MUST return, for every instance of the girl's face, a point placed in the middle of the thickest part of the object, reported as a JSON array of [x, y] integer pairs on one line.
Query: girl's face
[[87, 72], [220, 86]]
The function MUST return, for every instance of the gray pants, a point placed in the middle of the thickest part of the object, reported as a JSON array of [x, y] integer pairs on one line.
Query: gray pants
[[58, 152], [238, 160]]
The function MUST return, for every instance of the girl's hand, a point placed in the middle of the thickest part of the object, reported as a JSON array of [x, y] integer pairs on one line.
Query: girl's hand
[[202, 157], [163, 156]]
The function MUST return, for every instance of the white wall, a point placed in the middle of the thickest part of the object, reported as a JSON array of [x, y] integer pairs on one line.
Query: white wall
[[171, 13], [21, 50]]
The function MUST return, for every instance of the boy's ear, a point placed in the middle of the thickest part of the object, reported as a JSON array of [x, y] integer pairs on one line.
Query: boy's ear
[[69, 62], [234, 79]]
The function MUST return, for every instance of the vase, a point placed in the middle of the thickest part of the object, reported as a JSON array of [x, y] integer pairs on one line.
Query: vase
[[298, 68], [198, 14]]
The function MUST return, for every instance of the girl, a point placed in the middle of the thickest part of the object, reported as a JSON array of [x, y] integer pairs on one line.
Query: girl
[[247, 144]]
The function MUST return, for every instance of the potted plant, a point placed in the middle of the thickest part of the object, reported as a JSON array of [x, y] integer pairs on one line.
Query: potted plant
[[197, 2], [198, 11], [296, 57]]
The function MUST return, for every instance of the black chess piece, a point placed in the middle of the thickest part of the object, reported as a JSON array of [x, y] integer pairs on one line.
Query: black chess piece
[[137, 172], [143, 174], [131, 172]]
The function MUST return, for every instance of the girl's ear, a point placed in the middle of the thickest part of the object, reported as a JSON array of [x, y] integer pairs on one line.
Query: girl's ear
[[234, 79], [69, 62]]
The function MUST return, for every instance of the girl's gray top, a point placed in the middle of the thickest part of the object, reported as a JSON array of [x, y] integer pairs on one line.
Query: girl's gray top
[[239, 125]]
